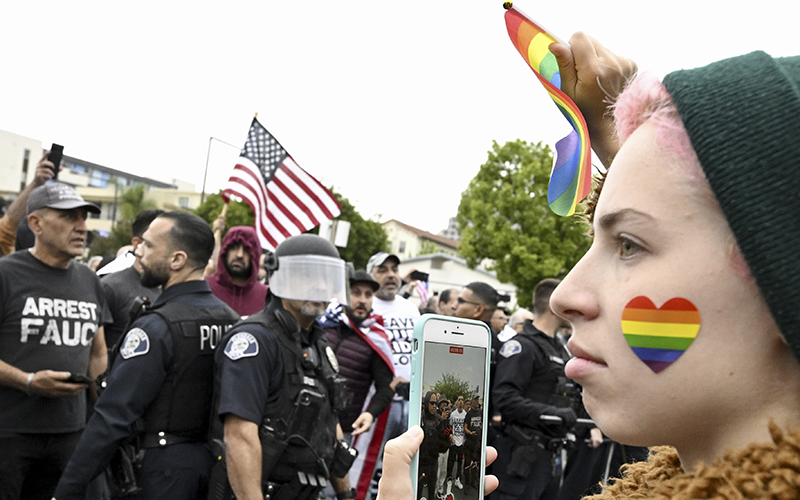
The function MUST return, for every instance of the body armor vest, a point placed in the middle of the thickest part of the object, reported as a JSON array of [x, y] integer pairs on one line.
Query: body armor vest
[[544, 386], [298, 432], [183, 406]]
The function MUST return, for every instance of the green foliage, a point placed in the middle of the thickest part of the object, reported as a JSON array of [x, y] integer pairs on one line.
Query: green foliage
[[452, 387], [367, 237], [239, 212], [504, 216], [130, 203], [428, 247]]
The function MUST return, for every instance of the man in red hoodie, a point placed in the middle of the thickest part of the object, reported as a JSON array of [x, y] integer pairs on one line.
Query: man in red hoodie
[[235, 281]]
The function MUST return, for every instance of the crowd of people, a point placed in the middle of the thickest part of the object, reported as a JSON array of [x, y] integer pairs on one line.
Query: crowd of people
[[192, 365], [204, 369]]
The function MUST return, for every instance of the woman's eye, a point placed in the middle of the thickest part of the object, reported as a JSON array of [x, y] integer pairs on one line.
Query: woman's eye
[[627, 248]]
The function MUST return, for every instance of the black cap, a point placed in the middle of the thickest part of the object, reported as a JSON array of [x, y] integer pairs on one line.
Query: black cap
[[361, 276]]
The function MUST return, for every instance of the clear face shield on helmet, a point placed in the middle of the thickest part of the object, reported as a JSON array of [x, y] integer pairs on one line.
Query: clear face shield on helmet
[[310, 277]]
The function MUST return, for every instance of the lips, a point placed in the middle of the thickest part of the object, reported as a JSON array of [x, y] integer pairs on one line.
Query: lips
[[582, 364]]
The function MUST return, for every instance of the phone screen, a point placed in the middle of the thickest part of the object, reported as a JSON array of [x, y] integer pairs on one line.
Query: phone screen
[[452, 417]]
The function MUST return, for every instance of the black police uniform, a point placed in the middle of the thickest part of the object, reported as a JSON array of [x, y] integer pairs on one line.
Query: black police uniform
[[161, 382], [529, 369], [279, 376]]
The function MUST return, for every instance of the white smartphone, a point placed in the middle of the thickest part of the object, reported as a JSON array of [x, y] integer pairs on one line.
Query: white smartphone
[[448, 399]]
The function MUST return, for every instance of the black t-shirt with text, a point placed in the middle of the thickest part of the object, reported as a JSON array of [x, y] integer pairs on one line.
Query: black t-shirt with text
[[48, 320]]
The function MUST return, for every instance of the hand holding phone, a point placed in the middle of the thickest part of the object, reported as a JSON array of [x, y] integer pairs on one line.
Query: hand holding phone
[[56, 153], [450, 357], [77, 378], [419, 275]]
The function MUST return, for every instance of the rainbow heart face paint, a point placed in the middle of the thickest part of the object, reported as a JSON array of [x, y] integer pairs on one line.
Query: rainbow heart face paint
[[659, 336]]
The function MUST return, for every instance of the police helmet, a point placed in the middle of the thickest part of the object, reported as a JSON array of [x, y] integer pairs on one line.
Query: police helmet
[[308, 267]]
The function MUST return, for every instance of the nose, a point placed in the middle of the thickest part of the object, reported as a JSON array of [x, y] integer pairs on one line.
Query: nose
[[575, 298]]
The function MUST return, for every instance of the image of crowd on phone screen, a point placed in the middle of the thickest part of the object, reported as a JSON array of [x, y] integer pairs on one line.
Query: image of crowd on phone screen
[[450, 457]]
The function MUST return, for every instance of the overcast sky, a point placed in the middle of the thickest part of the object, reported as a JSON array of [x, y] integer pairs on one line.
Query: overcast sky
[[395, 104]]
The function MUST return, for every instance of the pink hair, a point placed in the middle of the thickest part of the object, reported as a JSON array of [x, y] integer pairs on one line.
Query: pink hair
[[646, 99]]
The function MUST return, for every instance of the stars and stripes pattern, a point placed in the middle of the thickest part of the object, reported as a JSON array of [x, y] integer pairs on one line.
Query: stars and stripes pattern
[[286, 199], [422, 291]]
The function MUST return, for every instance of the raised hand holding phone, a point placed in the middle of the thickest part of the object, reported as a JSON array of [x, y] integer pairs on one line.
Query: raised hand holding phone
[[450, 357]]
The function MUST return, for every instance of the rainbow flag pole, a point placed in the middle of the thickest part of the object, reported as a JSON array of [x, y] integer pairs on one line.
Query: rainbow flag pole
[[571, 177]]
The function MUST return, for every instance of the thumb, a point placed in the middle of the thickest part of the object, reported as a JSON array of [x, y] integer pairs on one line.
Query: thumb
[[396, 480], [566, 66]]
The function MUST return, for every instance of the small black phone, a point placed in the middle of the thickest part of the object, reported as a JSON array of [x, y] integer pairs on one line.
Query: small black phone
[[56, 153], [419, 276], [77, 378]]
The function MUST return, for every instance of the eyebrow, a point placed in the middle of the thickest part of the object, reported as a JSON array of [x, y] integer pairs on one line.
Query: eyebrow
[[608, 221]]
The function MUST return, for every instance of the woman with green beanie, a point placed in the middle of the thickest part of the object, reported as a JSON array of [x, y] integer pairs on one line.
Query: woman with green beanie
[[686, 309]]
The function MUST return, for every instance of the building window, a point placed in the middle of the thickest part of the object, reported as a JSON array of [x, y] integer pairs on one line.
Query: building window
[[183, 201], [402, 247], [99, 179]]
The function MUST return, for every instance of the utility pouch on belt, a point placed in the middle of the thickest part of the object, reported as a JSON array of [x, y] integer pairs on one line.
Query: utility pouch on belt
[[343, 458], [126, 469], [529, 446], [218, 486], [302, 487], [522, 459], [272, 448]]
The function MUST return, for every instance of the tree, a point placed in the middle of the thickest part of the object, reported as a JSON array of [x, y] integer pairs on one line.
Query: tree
[[428, 248], [131, 203], [504, 216], [239, 212], [452, 387], [367, 237]]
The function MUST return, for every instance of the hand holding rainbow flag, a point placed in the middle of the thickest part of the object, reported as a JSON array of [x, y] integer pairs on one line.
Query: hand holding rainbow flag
[[571, 178]]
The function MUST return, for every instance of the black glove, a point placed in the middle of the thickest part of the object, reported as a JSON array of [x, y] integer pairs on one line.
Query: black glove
[[567, 416], [403, 389]]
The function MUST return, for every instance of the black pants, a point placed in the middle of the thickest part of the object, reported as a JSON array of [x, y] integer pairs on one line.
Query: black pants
[[178, 471], [430, 471], [456, 457], [31, 464], [513, 487]]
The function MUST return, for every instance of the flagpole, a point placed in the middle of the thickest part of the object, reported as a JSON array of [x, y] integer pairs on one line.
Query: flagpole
[[208, 155]]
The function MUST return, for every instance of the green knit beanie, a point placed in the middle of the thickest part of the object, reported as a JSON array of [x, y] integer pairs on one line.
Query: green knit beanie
[[743, 119]]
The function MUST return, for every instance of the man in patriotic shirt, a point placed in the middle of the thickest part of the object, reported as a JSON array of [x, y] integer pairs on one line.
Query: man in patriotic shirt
[[362, 348]]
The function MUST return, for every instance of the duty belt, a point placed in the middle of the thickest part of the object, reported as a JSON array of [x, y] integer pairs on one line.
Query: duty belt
[[164, 439]]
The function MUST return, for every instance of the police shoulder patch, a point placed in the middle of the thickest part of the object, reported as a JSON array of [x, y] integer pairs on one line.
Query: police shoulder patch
[[136, 343], [241, 345], [510, 348]]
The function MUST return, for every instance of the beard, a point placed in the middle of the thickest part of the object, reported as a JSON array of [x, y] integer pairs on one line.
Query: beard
[[357, 315], [153, 277], [313, 309], [238, 272]]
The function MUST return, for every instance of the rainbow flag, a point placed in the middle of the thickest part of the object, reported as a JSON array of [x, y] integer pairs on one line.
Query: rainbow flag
[[571, 178], [659, 336]]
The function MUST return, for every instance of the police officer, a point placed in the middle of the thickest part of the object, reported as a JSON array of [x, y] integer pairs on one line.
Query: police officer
[[278, 382], [160, 386], [529, 383]]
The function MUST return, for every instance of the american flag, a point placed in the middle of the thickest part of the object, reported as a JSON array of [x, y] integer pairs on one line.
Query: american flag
[[422, 291], [285, 198]]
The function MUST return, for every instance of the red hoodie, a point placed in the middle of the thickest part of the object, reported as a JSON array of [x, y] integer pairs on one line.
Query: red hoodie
[[249, 297]]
